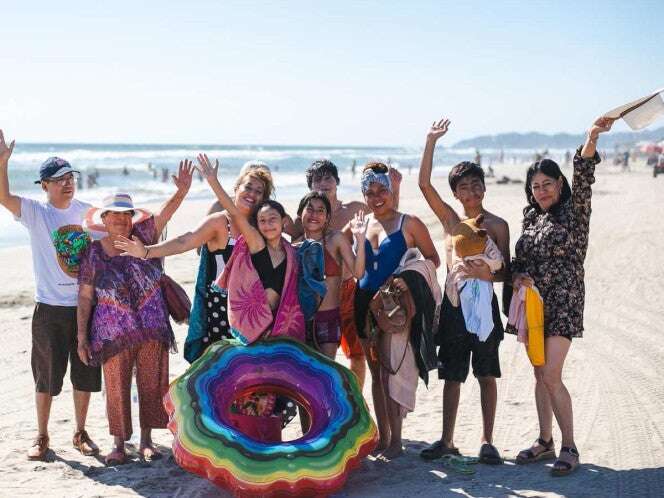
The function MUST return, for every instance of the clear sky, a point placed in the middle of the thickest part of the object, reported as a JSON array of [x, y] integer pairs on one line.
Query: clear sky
[[308, 72]]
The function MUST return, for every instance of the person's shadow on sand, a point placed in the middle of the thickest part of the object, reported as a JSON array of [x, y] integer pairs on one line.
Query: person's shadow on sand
[[375, 478]]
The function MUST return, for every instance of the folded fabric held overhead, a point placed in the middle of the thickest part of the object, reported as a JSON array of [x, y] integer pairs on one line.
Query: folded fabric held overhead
[[641, 112]]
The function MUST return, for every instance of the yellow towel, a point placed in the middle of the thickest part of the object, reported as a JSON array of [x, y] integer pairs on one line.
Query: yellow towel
[[535, 320]]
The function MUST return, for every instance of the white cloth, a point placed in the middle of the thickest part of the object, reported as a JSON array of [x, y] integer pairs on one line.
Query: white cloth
[[641, 112], [56, 281], [457, 275], [476, 296]]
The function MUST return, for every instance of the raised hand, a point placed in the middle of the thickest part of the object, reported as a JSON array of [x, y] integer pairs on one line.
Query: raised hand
[[601, 125], [5, 150], [438, 129], [185, 174], [359, 225], [130, 247], [206, 168]]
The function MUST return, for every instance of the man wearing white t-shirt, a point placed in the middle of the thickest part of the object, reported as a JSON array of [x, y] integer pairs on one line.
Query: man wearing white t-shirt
[[57, 240]]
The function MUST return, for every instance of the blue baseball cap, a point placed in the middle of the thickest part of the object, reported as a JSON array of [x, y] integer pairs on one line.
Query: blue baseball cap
[[54, 167]]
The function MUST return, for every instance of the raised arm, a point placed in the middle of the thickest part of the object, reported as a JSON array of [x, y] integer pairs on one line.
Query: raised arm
[[7, 199], [601, 125], [183, 183], [213, 227], [251, 235], [358, 227], [445, 213]]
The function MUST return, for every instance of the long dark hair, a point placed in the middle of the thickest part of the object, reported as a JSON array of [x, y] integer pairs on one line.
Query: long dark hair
[[551, 169]]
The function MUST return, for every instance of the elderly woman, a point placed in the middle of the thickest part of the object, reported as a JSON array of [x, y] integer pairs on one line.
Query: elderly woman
[[123, 320], [550, 255]]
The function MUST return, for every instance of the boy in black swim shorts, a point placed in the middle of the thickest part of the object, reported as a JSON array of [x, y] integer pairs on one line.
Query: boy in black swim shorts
[[458, 347]]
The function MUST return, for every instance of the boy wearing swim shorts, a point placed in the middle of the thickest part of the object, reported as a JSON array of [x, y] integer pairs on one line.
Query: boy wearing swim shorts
[[458, 347]]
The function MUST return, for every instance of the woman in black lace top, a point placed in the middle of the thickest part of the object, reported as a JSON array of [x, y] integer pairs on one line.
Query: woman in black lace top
[[550, 255]]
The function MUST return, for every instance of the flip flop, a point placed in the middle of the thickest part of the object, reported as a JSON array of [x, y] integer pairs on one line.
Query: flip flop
[[149, 453], [437, 450], [460, 464], [489, 455]]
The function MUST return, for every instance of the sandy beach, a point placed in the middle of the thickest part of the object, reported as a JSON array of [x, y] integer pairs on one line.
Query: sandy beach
[[614, 375]]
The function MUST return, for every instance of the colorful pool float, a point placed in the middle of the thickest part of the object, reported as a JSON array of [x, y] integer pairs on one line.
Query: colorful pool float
[[206, 443]]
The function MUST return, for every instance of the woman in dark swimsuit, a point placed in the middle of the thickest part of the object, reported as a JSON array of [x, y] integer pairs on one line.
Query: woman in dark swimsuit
[[389, 234], [315, 212]]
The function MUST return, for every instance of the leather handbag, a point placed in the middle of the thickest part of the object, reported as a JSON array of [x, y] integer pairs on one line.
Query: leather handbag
[[390, 309], [177, 301]]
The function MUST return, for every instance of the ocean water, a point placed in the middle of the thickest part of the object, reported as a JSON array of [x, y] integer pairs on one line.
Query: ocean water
[[137, 169]]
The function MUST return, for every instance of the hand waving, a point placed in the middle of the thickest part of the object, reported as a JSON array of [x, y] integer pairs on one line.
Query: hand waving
[[205, 167], [5, 151], [185, 173], [438, 129], [359, 225]]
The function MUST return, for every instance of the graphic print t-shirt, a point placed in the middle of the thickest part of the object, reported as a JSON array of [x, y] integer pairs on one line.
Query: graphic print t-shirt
[[57, 241]]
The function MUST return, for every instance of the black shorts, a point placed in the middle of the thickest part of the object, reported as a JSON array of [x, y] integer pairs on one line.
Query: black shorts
[[457, 345], [54, 344]]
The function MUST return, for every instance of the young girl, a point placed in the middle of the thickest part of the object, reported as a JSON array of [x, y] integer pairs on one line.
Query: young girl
[[315, 212]]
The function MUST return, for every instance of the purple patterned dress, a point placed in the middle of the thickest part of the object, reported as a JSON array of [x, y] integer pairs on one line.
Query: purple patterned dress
[[129, 306]]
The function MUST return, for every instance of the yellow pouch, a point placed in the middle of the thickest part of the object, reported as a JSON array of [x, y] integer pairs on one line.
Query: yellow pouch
[[535, 321]]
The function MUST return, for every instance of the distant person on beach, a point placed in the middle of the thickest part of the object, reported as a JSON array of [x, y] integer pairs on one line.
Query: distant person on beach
[[568, 157], [478, 157], [125, 171], [549, 255], [390, 234], [352, 168], [323, 176], [123, 325], [457, 345], [57, 240]]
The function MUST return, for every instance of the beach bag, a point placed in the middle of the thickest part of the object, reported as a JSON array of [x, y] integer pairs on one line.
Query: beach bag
[[391, 309], [177, 301]]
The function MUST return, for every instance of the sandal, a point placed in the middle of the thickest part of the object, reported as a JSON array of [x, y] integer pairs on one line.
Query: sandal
[[529, 456], [39, 448], [116, 457], [460, 464], [149, 453], [437, 450], [562, 467], [489, 455], [84, 444]]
